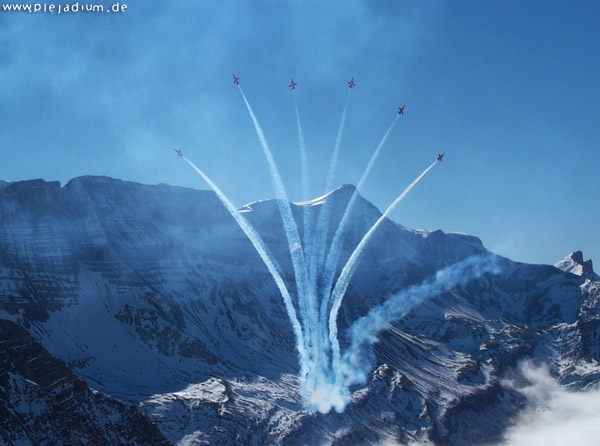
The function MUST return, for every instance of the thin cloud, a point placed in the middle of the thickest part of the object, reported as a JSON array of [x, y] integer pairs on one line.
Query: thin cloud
[[556, 416]]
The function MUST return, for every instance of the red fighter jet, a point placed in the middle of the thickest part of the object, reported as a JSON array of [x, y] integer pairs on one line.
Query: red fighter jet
[[179, 153], [401, 110], [440, 157], [236, 80], [293, 84], [351, 82]]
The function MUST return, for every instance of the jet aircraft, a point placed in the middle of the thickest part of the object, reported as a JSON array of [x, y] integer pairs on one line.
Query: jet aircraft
[[351, 82], [236, 80], [293, 84], [401, 110], [179, 153], [440, 157]]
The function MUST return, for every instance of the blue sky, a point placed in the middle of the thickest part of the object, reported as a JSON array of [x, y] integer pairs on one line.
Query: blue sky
[[507, 89]]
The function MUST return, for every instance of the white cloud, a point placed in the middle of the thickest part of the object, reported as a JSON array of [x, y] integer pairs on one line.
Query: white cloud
[[556, 416]]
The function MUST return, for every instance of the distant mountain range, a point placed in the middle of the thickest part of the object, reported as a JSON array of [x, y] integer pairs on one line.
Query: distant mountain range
[[134, 314]]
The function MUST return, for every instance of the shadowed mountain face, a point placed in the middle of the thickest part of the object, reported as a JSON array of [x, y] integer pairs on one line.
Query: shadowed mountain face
[[43, 402], [153, 295]]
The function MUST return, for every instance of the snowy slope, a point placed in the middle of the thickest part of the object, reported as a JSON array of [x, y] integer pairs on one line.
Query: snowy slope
[[43, 402], [153, 295]]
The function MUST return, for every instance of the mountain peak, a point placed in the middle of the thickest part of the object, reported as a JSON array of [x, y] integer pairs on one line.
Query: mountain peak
[[345, 190], [575, 264]]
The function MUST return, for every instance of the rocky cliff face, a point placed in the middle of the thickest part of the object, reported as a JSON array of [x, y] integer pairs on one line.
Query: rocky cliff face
[[153, 295], [43, 402], [575, 264]]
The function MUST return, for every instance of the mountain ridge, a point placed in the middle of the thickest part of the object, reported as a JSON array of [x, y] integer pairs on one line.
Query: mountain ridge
[[153, 295]]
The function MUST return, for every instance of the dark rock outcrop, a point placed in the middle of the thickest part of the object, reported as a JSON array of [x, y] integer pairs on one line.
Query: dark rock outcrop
[[43, 403]]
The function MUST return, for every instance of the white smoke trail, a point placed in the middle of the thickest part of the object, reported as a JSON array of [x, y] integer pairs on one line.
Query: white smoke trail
[[317, 249], [307, 211], [344, 280], [336, 245], [335, 252], [308, 225], [306, 299], [336, 148], [316, 253], [303, 157], [355, 366], [364, 331], [269, 261]]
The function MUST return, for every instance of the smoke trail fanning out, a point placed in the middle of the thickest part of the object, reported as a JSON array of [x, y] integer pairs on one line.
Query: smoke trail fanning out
[[310, 303], [307, 212], [326, 373], [344, 280], [355, 366], [267, 258], [336, 148], [318, 246], [336, 245], [306, 299], [303, 157]]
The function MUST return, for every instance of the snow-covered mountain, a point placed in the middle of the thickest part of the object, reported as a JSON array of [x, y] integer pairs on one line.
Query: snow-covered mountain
[[154, 297], [43, 402], [574, 263]]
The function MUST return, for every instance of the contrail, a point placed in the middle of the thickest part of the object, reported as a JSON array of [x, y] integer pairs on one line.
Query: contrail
[[356, 363], [269, 261], [336, 149], [336, 245], [306, 301], [303, 157], [307, 211], [325, 376], [320, 237], [364, 331], [308, 223], [344, 280], [316, 250]]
